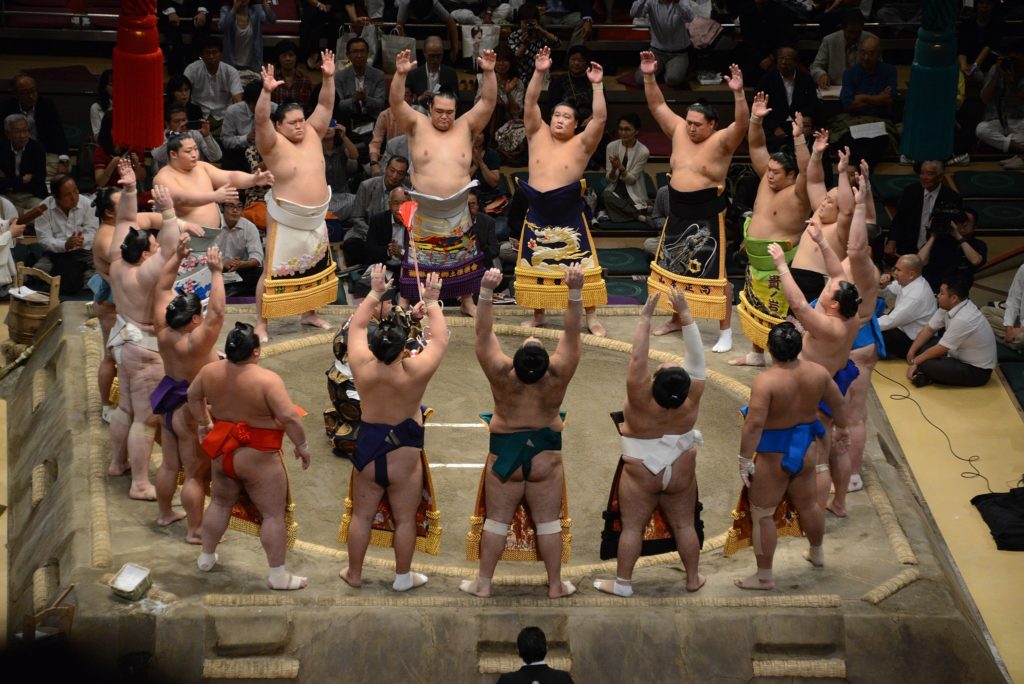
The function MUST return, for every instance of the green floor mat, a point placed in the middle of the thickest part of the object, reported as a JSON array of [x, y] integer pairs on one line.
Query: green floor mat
[[890, 188], [626, 291], [624, 261], [998, 214], [999, 184]]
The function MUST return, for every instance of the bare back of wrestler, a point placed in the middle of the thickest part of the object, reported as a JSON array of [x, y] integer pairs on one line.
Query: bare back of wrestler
[[526, 398], [784, 397], [666, 403], [391, 387], [237, 390]]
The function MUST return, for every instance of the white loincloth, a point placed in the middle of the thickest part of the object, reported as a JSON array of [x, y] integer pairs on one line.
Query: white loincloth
[[301, 235], [126, 332], [659, 454]]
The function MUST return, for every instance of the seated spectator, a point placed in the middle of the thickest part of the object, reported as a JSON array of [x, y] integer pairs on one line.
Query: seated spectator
[[178, 18], [384, 129], [104, 102], [952, 248], [432, 77], [360, 87], [484, 229], [178, 91], [670, 42], [397, 147], [527, 40], [625, 196], [867, 96], [766, 26], [387, 237], [106, 157], [965, 352], [914, 211], [239, 131], [913, 307], [428, 12], [372, 198], [575, 14], [22, 165], [839, 50], [533, 647], [241, 250], [215, 85], [1007, 318], [10, 230], [318, 20], [44, 122], [177, 124], [296, 87], [659, 212], [574, 86], [242, 28], [485, 168], [1002, 125], [511, 91], [341, 163], [976, 37], [65, 233], [789, 90]]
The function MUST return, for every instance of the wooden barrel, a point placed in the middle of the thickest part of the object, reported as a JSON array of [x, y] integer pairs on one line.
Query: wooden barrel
[[25, 319]]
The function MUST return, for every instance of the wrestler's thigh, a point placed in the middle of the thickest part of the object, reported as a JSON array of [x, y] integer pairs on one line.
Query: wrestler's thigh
[[803, 487], [366, 493], [638, 493], [769, 483], [169, 448], [108, 316], [501, 498], [857, 394], [193, 459], [225, 490], [262, 474], [405, 473], [146, 370], [544, 486]]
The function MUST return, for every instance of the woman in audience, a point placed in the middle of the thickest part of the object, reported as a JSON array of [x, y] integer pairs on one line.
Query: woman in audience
[[625, 197], [297, 87], [104, 101], [179, 92], [242, 28]]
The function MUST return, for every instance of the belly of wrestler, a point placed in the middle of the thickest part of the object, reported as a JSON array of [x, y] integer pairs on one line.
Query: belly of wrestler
[[299, 172], [440, 164], [207, 215]]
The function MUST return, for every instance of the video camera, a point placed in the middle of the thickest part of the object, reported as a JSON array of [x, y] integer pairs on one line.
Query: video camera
[[944, 216]]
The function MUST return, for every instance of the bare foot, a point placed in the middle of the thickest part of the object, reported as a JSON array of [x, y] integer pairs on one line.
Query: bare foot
[[193, 538], [260, 330], [291, 584], [473, 587], [314, 321], [118, 469], [815, 556], [175, 516], [667, 328], [354, 583], [597, 329], [753, 582], [144, 493], [701, 579], [838, 510], [564, 589], [749, 359], [535, 322], [467, 307]]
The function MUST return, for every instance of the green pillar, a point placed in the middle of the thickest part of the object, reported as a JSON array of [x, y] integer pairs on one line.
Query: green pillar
[[929, 118]]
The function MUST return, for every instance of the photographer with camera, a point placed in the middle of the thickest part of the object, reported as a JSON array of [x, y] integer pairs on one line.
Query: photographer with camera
[[909, 229], [951, 247], [529, 39], [1002, 126]]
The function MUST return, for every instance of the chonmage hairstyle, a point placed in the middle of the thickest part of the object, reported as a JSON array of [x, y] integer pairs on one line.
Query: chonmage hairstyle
[[135, 245], [182, 308], [848, 298], [785, 342], [387, 339], [242, 340], [670, 387], [531, 362]]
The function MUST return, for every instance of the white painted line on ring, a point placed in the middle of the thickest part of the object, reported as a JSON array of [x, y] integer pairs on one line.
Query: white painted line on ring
[[457, 425], [456, 465]]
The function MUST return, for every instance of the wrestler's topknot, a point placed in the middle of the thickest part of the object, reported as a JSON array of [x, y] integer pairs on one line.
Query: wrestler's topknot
[[182, 308], [848, 298], [670, 387], [530, 362], [242, 340], [785, 342]]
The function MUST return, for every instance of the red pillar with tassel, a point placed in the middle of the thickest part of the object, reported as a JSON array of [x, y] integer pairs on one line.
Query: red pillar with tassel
[[139, 67]]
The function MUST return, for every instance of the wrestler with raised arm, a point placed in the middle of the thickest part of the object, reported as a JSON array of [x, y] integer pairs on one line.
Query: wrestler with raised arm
[[136, 260], [525, 457], [693, 236], [390, 438], [779, 428], [186, 338], [659, 447], [297, 245], [243, 412], [556, 232], [441, 235], [780, 214]]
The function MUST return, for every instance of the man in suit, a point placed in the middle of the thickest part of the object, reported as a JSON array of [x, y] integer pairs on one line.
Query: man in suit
[[432, 76], [790, 90], [909, 230], [372, 198], [387, 237], [533, 646], [360, 87], [43, 121], [22, 165], [838, 50]]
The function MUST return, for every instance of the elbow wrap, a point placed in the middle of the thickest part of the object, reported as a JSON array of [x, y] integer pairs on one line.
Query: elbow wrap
[[693, 363]]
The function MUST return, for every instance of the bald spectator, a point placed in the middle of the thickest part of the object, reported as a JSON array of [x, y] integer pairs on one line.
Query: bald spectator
[[65, 232], [432, 76], [44, 123], [215, 85], [839, 50], [22, 165], [913, 307]]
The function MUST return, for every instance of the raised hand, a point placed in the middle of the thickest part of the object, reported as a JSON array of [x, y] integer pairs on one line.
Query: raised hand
[[263, 177], [574, 277], [379, 282], [735, 79], [225, 193], [327, 68], [270, 84], [403, 64], [648, 63], [214, 259], [193, 229], [679, 303], [820, 140], [760, 107], [126, 172], [859, 195], [798, 125], [491, 279], [543, 60], [864, 169], [595, 72], [650, 306], [432, 289], [162, 199], [844, 160], [778, 256], [814, 230], [487, 61]]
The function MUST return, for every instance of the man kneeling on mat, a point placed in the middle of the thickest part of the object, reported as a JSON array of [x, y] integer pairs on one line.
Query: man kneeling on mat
[[659, 447], [781, 426], [525, 459]]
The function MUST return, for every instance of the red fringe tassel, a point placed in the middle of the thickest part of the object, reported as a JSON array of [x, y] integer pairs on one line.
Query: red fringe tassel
[[138, 88]]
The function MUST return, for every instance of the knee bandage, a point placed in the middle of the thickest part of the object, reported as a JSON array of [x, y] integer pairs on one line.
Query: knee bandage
[[821, 468], [552, 527], [757, 514], [495, 527]]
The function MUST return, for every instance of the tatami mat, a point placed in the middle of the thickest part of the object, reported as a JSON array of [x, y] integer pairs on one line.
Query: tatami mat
[[983, 422]]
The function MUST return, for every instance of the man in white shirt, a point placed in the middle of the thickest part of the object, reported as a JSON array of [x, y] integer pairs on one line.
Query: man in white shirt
[[65, 232], [214, 85], [176, 121], [1007, 318], [241, 250], [965, 354], [915, 304]]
